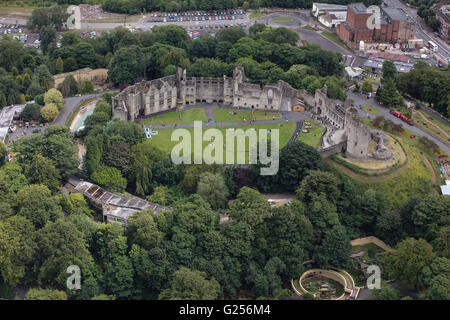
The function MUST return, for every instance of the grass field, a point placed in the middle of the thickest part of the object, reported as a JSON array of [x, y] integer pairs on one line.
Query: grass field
[[255, 15], [420, 122], [14, 10], [187, 116], [314, 136], [163, 139], [128, 19], [414, 178], [334, 38], [370, 109], [282, 19], [223, 115]]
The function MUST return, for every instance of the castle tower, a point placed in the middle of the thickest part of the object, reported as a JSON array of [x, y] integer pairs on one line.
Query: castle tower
[[358, 135]]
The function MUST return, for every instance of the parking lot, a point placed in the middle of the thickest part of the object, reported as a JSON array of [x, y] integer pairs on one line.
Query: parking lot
[[197, 16], [11, 29]]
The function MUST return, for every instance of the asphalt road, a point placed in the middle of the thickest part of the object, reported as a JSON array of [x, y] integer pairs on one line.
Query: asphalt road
[[70, 106], [359, 101], [301, 19]]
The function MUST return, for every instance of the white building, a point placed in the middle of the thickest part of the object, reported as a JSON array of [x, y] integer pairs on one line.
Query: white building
[[331, 19], [320, 8]]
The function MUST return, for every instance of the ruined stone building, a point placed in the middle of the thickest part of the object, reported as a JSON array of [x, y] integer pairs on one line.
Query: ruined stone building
[[346, 131], [344, 126], [176, 91]]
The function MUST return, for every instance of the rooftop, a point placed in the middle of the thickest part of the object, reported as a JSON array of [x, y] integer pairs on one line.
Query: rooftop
[[329, 6], [6, 116], [394, 13], [358, 7]]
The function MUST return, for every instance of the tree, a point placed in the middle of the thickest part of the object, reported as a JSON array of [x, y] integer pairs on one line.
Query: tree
[[47, 36], [59, 245], [367, 86], [45, 294], [3, 102], [386, 292], [429, 215], [439, 289], [406, 263], [335, 249], [389, 71], [69, 86], [159, 195], [70, 64], [49, 112], [43, 171], [109, 178], [232, 34], [85, 55], [87, 87], [59, 65], [3, 153], [296, 160], [54, 96], [387, 94], [126, 65], [35, 203], [250, 207], [143, 231], [212, 188], [16, 248], [189, 284], [319, 182], [30, 112]]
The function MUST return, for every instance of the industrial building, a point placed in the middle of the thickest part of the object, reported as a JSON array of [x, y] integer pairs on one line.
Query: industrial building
[[388, 25]]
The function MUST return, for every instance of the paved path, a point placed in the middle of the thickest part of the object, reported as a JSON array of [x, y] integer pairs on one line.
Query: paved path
[[359, 101], [70, 106]]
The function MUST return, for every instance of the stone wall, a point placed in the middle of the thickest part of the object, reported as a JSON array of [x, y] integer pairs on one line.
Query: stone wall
[[176, 91]]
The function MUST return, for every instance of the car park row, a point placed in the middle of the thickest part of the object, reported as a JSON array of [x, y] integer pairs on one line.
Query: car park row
[[196, 16]]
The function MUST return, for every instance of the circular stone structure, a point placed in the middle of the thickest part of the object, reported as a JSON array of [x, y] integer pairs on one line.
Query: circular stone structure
[[341, 277]]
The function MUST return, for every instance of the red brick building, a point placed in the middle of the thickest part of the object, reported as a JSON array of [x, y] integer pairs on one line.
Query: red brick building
[[390, 26]]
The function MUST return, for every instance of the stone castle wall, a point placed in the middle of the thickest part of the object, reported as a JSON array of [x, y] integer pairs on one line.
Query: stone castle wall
[[176, 91]]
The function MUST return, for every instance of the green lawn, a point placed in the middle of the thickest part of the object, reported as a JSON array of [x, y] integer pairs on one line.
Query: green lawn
[[187, 116], [282, 19], [254, 15], [334, 38], [314, 136], [223, 115], [413, 179], [163, 139], [420, 122], [370, 109]]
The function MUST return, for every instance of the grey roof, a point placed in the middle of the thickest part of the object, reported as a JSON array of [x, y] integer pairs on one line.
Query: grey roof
[[6, 116], [329, 6], [104, 197], [377, 63], [394, 13], [358, 7]]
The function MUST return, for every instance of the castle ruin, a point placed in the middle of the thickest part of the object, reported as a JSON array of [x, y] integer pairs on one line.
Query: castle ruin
[[345, 130]]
